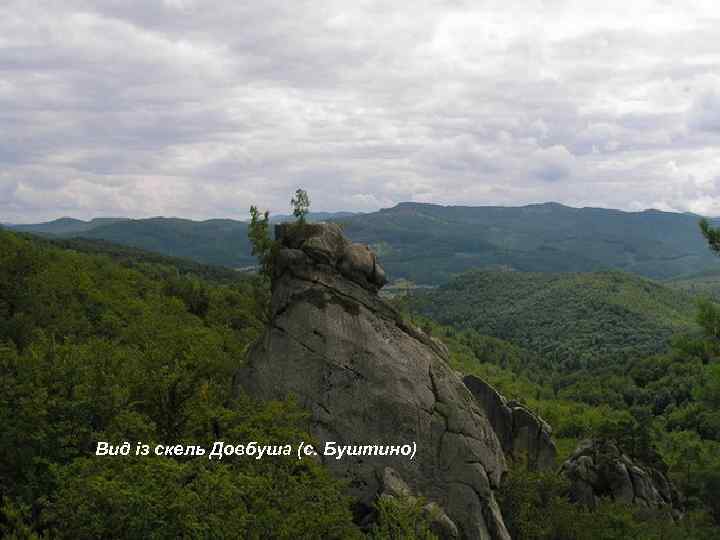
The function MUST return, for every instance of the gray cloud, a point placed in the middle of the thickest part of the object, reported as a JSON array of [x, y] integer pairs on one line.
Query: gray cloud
[[200, 108], [705, 110]]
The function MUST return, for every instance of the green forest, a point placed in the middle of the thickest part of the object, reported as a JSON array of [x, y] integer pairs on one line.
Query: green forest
[[359, 270], [94, 350], [625, 358], [104, 343], [572, 320], [430, 243]]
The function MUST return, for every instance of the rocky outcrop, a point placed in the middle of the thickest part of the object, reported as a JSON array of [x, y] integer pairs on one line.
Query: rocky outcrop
[[368, 378], [598, 468], [520, 431], [325, 244], [440, 523]]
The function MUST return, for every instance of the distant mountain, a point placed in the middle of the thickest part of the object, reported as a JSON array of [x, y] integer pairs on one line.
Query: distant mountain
[[574, 320], [66, 226], [215, 241], [314, 216], [429, 244]]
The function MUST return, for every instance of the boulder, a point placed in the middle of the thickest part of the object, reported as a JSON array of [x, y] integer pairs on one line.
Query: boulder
[[440, 524], [532, 437], [294, 234], [325, 244], [367, 378], [520, 431], [359, 264], [598, 468]]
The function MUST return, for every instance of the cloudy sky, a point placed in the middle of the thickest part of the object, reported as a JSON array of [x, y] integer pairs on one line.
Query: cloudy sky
[[199, 108]]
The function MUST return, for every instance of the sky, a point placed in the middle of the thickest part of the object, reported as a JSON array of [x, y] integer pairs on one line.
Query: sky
[[200, 108]]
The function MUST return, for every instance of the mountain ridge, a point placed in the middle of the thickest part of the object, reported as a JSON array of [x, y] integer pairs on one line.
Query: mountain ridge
[[430, 243]]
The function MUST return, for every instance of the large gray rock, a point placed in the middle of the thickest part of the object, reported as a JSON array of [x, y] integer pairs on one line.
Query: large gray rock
[[359, 264], [520, 431], [325, 244], [598, 468], [368, 378]]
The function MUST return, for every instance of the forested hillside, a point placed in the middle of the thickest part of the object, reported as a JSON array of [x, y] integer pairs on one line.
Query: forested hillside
[[65, 226], [216, 241], [128, 345], [603, 354], [429, 244], [143, 260], [662, 409], [572, 320], [91, 350], [703, 284]]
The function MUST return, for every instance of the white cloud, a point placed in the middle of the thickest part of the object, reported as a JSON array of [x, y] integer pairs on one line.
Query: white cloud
[[552, 164], [704, 113], [200, 108]]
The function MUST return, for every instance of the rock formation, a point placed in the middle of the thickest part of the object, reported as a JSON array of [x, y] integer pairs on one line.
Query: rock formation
[[598, 468], [520, 431], [368, 378], [440, 524]]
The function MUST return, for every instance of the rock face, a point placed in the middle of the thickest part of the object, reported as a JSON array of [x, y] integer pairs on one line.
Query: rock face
[[598, 468], [440, 524], [519, 430], [368, 378]]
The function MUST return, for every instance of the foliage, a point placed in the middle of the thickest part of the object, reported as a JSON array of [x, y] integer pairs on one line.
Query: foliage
[[573, 320], [536, 507], [705, 284], [159, 497], [430, 244], [263, 246], [709, 319], [128, 346], [148, 262], [711, 234], [214, 241], [661, 408], [94, 351], [401, 518], [300, 205]]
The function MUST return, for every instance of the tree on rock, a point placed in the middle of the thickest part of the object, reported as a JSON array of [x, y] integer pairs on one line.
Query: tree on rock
[[300, 204], [263, 246], [711, 234]]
